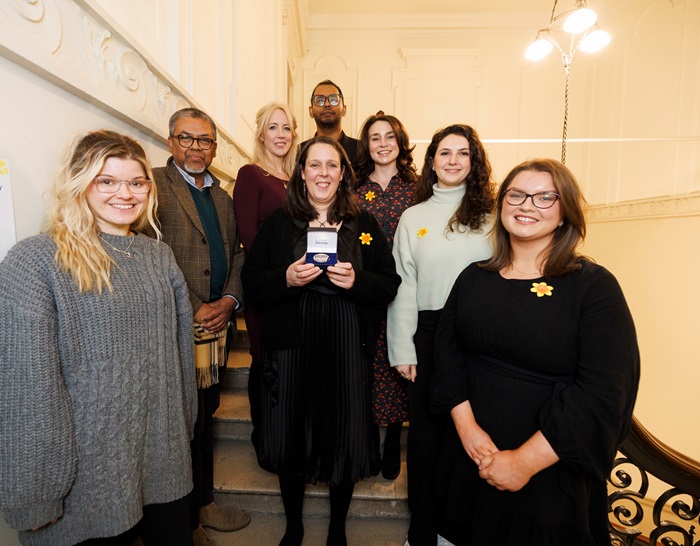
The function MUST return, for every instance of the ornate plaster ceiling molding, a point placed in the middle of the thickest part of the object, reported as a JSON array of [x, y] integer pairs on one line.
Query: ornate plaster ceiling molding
[[666, 207], [74, 45]]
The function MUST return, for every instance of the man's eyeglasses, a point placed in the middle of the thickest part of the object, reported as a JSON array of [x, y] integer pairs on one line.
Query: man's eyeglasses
[[186, 141], [105, 184], [320, 100], [542, 200]]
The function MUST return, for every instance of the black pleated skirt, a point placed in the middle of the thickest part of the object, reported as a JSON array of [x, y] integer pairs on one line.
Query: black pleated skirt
[[315, 399]]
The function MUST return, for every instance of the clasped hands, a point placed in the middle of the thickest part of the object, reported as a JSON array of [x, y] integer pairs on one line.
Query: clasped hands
[[215, 315], [505, 470], [300, 273]]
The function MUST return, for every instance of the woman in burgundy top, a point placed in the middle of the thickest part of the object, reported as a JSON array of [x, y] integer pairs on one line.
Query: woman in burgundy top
[[260, 188], [386, 176]]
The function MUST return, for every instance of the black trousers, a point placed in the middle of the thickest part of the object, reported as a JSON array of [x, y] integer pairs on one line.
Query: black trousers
[[202, 447], [425, 438], [165, 524]]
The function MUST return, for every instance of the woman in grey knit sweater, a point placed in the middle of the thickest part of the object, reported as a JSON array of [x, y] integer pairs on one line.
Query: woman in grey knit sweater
[[96, 363]]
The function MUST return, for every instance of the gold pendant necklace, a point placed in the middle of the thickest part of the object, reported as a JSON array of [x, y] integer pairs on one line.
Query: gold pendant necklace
[[125, 252], [522, 274]]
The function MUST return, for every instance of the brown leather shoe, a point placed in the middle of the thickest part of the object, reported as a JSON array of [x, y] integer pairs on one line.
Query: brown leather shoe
[[201, 538], [215, 517]]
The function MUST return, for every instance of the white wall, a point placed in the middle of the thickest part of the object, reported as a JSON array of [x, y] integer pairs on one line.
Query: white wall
[[38, 129]]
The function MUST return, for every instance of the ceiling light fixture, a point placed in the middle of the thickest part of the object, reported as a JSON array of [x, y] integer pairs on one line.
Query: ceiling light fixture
[[579, 27]]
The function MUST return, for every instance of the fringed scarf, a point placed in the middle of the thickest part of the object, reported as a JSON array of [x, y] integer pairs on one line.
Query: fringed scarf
[[209, 355]]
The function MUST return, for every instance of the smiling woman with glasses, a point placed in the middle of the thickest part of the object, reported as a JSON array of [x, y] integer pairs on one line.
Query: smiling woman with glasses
[[537, 365], [542, 200], [97, 363]]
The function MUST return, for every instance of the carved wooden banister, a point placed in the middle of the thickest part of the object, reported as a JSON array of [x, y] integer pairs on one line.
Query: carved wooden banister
[[650, 456]]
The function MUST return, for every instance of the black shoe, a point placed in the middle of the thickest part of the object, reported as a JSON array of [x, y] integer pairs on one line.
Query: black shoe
[[336, 536], [391, 462], [293, 537]]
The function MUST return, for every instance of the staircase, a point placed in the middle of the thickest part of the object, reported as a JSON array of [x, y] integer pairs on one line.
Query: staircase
[[379, 510]]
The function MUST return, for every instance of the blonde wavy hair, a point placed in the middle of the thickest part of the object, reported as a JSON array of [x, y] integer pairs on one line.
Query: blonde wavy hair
[[71, 222], [262, 118]]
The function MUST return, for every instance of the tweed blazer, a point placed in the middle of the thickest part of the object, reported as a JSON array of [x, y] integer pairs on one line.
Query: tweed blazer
[[183, 231]]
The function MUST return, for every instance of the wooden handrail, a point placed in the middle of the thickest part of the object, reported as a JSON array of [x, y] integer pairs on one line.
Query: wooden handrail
[[660, 460]]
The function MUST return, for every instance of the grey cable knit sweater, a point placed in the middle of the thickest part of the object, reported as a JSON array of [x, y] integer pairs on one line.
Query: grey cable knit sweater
[[97, 392]]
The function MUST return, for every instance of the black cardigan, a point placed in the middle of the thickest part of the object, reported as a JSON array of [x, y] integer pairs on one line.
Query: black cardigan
[[265, 282]]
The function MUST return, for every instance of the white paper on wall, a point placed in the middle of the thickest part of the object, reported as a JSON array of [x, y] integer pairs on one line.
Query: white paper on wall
[[7, 213]]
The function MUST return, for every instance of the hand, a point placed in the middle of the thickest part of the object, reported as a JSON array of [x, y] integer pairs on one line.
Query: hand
[[407, 371], [505, 470], [300, 273], [475, 440], [510, 470], [341, 274], [214, 316]]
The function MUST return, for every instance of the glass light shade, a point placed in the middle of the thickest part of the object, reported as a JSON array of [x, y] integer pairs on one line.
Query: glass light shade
[[538, 49], [594, 41], [580, 20]]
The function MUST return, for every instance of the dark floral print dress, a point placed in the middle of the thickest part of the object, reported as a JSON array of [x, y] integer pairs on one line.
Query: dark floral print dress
[[389, 389]]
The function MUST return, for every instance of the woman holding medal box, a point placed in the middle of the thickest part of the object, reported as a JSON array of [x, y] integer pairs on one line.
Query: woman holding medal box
[[319, 329]]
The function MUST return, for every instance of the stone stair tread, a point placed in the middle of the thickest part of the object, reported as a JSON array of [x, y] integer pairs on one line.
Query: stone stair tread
[[269, 529], [238, 360], [236, 471], [233, 406]]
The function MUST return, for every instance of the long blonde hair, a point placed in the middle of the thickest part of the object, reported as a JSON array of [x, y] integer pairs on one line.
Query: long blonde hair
[[262, 118], [72, 224]]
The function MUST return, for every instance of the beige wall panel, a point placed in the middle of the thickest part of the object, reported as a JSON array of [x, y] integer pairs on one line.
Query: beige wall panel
[[341, 71], [656, 261]]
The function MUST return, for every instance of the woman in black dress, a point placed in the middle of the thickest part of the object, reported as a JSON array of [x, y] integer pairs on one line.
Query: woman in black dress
[[537, 363], [319, 328]]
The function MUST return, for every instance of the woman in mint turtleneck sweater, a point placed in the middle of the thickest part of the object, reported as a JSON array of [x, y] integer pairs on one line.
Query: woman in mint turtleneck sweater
[[435, 240]]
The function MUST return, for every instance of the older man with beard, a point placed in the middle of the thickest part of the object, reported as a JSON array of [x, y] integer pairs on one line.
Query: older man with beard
[[198, 222]]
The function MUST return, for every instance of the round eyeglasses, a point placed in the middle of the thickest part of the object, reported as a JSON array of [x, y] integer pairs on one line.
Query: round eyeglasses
[[542, 200], [186, 141], [320, 100], [105, 184]]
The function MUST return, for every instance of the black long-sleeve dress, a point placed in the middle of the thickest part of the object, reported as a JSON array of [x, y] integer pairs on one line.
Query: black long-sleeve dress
[[317, 345], [557, 355]]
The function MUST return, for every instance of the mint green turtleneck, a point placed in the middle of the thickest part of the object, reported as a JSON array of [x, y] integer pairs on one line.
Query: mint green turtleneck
[[429, 258]]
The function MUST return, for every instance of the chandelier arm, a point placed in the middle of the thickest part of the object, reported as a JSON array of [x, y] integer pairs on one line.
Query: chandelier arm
[[566, 115], [554, 8]]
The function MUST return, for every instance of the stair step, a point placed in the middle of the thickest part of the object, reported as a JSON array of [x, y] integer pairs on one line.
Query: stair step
[[240, 482], [237, 369], [232, 419], [269, 529], [242, 340]]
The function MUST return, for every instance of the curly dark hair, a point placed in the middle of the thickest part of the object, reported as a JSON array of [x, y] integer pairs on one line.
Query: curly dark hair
[[404, 163], [562, 257], [479, 200], [297, 203]]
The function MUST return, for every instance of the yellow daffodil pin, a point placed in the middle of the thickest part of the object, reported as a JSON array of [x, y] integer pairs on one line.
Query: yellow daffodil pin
[[541, 289], [422, 232], [365, 238], [369, 196]]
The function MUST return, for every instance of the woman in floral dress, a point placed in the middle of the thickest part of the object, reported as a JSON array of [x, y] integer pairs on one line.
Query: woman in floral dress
[[386, 177]]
